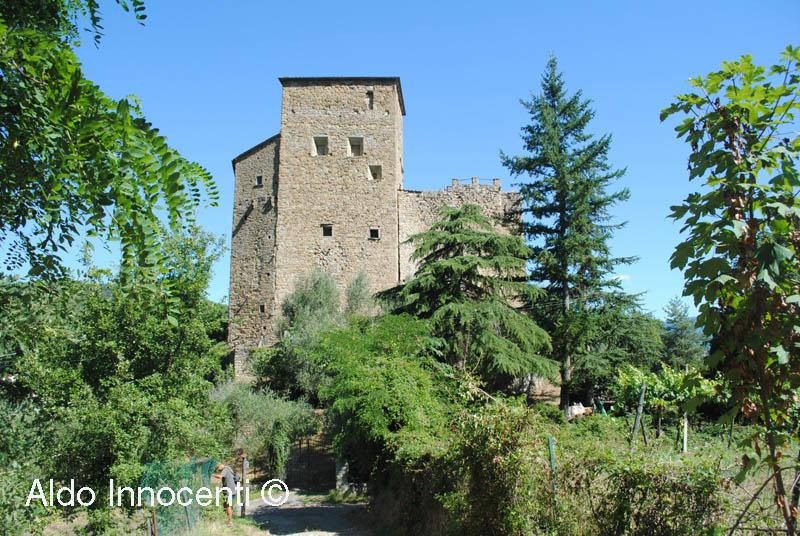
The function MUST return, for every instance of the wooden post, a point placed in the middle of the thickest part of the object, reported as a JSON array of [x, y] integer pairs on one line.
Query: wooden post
[[685, 447], [638, 419], [245, 483], [644, 435], [155, 523], [686, 425]]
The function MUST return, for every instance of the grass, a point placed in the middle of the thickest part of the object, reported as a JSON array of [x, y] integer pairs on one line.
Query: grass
[[213, 524]]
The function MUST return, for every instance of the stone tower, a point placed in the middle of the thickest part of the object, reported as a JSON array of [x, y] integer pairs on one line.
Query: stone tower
[[327, 191]]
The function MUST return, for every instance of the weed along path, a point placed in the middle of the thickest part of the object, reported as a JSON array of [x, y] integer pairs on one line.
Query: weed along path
[[308, 515]]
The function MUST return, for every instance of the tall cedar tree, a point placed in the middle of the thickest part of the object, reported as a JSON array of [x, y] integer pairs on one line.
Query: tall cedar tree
[[469, 281], [683, 343], [566, 215]]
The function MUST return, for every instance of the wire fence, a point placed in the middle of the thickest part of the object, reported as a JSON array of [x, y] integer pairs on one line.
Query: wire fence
[[177, 519]]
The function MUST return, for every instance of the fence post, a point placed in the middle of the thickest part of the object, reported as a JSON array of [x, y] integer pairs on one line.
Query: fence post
[[155, 523], [551, 447], [686, 425], [637, 420], [245, 484]]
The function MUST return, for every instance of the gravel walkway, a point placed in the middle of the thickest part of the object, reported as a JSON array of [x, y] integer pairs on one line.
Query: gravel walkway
[[301, 515]]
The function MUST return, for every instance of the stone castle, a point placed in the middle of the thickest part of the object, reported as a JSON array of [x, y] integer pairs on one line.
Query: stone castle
[[327, 191]]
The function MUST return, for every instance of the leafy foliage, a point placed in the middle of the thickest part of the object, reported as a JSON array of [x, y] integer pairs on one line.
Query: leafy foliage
[[597, 489], [263, 424], [385, 396], [74, 161], [469, 279], [313, 307], [120, 385], [620, 335], [740, 258], [566, 204], [358, 297], [668, 390]]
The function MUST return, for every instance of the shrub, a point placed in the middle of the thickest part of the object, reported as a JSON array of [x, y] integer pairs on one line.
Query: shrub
[[264, 424], [597, 488]]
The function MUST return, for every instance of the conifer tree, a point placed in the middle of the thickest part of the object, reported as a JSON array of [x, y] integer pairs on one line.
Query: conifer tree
[[683, 343], [566, 205], [470, 281]]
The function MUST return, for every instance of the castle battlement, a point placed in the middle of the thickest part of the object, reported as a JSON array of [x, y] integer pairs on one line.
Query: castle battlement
[[494, 184], [327, 192]]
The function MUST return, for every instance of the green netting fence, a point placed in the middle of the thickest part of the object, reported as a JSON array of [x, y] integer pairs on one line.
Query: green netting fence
[[177, 519]]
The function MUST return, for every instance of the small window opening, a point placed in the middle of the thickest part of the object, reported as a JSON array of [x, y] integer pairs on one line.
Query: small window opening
[[370, 100], [327, 229], [375, 173], [262, 308], [356, 146], [374, 234], [259, 180], [321, 145]]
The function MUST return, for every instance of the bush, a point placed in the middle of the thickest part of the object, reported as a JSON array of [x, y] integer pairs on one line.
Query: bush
[[597, 489], [385, 397], [549, 412], [264, 424]]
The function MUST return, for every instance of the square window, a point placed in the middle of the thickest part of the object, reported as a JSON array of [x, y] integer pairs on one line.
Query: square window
[[370, 100], [259, 180], [321, 145], [356, 146], [375, 173], [327, 229], [374, 234]]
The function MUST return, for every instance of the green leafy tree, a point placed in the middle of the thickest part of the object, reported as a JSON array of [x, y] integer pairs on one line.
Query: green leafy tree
[[740, 258], [566, 214], [358, 297], [386, 396], [120, 385], [313, 307], [74, 161], [683, 344], [469, 283], [621, 335]]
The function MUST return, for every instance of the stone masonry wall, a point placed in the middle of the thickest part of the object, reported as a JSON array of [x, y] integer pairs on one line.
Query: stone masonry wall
[[418, 210], [277, 226], [252, 283], [337, 189]]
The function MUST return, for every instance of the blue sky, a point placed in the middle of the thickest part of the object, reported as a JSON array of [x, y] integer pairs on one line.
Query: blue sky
[[206, 73]]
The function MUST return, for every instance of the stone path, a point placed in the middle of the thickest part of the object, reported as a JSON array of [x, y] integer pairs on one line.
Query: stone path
[[307, 516]]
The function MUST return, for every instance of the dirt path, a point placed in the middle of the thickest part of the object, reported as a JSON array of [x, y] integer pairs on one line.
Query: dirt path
[[306, 515]]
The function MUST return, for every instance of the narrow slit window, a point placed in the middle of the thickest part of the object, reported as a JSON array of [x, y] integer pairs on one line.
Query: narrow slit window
[[356, 146], [321, 145], [259, 180], [327, 229], [370, 100], [374, 234], [262, 308], [375, 173]]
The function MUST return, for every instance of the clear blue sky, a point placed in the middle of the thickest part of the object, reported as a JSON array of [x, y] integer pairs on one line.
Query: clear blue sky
[[206, 73]]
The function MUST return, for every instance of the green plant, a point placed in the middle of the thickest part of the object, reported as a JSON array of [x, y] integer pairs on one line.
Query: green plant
[[683, 344], [470, 283], [264, 424], [120, 384], [567, 203], [385, 397], [74, 161], [740, 258]]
